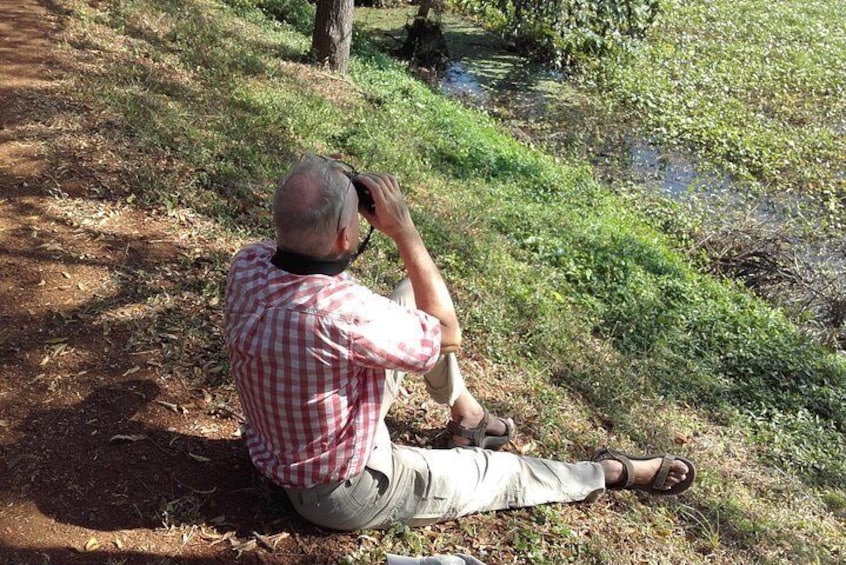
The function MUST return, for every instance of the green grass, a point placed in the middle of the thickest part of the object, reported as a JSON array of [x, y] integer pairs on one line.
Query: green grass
[[579, 317], [758, 86]]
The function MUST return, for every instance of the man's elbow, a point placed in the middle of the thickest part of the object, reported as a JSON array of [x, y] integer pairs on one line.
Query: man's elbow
[[450, 339]]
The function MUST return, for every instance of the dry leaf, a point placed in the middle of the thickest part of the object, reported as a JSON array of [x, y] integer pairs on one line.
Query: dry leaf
[[134, 369], [279, 537], [118, 543], [526, 448], [263, 541], [91, 545], [171, 406], [130, 438], [67, 276], [249, 545], [4, 424], [225, 537], [199, 458]]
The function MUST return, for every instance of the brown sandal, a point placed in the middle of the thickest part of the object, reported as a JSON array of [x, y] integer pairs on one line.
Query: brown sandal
[[478, 435], [660, 478]]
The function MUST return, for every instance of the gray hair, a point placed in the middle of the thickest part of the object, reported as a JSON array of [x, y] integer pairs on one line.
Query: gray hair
[[307, 204]]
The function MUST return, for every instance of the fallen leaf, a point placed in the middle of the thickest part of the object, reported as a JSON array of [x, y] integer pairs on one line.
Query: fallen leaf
[[249, 545], [134, 369], [279, 537], [67, 276], [171, 406], [199, 458], [225, 537], [4, 424], [526, 448], [129, 438], [118, 543], [55, 340], [91, 545], [263, 541]]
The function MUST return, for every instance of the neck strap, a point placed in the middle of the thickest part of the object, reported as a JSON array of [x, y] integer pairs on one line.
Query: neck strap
[[299, 264], [304, 265]]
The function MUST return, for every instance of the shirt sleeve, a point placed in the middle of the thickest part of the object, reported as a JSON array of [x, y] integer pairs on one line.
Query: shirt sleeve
[[389, 336]]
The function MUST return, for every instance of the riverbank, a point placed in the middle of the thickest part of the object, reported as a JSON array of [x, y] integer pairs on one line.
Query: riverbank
[[785, 242]]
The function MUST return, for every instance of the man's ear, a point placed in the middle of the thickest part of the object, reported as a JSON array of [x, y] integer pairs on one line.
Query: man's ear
[[343, 241]]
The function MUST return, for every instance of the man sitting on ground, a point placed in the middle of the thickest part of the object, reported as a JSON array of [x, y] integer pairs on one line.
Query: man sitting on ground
[[318, 359]]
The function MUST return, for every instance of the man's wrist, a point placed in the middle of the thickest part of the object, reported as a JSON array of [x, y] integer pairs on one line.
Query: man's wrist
[[406, 235]]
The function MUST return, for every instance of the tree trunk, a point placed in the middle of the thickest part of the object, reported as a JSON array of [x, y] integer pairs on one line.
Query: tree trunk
[[423, 10], [330, 43]]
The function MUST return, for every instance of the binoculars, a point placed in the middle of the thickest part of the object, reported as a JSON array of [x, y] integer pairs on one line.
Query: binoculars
[[365, 199]]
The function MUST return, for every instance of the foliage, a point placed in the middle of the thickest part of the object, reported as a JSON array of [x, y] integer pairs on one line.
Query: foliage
[[298, 13], [566, 32], [755, 85]]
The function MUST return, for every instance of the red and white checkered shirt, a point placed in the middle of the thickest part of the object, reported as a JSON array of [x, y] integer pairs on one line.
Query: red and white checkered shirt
[[309, 354]]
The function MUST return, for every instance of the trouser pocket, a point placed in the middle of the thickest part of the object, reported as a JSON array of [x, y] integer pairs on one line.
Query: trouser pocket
[[347, 505]]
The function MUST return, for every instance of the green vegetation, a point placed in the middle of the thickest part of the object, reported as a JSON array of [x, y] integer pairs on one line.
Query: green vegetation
[[758, 86], [567, 32], [579, 317]]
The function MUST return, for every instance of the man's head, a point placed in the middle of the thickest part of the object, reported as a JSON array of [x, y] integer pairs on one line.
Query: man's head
[[315, 210]]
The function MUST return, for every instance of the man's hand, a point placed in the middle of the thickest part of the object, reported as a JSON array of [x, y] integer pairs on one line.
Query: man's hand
[[392, 216]]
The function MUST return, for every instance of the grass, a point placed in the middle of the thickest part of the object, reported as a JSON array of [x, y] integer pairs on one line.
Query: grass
[[579, 318]]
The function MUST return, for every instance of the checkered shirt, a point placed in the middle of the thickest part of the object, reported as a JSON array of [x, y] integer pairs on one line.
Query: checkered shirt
[[309, 354]]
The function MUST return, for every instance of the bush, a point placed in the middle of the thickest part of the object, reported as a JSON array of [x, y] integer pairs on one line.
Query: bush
[[567, 32], [299, 14]]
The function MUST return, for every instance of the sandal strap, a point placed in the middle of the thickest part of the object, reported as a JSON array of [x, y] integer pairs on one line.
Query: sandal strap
[[663, 472], [475, 434], [628, 477]]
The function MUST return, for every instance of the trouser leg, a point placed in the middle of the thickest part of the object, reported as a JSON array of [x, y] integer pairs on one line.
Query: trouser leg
[[425, 486], [431, 486], [428, 486], [444, 382]]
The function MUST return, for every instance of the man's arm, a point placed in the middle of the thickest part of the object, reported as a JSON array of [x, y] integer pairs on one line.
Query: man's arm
[[430, 291]]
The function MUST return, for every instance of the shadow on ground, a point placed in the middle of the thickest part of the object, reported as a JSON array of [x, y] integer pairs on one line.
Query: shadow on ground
[[124, 473]]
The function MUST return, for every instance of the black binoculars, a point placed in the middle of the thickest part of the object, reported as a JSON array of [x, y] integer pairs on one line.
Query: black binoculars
[[365, 199]]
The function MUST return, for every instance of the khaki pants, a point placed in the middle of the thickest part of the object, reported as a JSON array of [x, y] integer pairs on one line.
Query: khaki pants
[[422, 486]]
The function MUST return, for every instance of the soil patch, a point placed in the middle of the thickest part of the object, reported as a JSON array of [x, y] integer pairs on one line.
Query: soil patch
[[107, 453]]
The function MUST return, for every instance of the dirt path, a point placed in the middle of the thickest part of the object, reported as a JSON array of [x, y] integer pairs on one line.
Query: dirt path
[[108, 454]]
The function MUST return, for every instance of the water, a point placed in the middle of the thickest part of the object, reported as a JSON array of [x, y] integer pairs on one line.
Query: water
[[459, 83]]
